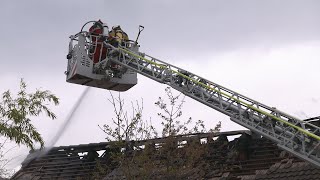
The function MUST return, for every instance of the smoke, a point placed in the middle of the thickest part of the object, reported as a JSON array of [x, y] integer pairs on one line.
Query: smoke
[[65, 125]]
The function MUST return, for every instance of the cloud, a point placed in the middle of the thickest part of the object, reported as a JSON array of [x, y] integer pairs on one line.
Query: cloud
[[314, 100], [38, 39]]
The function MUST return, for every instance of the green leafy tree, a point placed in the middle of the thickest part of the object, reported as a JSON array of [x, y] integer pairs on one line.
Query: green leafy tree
[[16, 114], [4, 171]]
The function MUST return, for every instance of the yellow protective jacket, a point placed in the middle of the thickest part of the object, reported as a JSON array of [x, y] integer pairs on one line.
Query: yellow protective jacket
[[118, 35]]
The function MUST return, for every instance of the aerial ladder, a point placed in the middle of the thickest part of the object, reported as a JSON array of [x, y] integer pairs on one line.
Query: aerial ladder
[[299, 137]]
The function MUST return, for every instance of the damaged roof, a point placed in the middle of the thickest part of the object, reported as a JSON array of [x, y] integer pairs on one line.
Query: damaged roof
[[264, 160]]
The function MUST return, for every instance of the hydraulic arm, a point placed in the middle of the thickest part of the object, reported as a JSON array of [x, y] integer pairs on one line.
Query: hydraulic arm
[[298, 137]]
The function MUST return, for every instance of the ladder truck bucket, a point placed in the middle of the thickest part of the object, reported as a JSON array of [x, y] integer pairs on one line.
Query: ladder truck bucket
[[82, 69]]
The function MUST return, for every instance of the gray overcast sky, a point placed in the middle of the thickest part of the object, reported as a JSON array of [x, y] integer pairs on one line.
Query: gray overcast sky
[[267, 50]]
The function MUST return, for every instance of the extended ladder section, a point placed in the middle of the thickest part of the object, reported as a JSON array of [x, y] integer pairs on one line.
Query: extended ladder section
[[289, 133]]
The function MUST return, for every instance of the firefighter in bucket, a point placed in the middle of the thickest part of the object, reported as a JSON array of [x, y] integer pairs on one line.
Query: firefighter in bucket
[[98, 33], [117, 37]]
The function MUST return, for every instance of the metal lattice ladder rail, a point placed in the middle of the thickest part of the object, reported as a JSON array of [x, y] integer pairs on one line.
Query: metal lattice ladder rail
[[291, 134]]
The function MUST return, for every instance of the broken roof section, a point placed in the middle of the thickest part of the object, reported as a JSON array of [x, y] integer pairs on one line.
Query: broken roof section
[[255, 158]]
